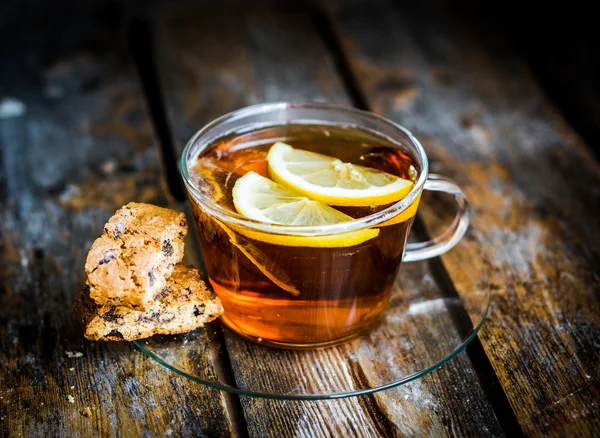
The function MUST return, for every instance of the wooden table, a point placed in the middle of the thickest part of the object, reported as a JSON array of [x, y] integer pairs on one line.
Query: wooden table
[[95, 112]]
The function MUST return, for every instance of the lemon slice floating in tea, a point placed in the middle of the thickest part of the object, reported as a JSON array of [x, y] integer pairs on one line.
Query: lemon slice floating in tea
[[262, 199], [332, 181]]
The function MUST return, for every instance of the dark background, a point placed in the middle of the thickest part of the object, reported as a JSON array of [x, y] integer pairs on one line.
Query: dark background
[[559, 40]]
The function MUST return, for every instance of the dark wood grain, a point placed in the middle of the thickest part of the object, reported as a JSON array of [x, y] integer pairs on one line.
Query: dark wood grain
[[570, 74], [213, 63], [533, 186], [81, 147], [564, 62]]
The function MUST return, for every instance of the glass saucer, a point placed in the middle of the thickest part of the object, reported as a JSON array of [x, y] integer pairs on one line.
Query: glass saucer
[[422, 329]]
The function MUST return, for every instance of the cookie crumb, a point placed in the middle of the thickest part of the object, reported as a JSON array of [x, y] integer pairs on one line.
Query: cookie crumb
[[72, 369], [71, 398], [87, 412], [74, 354], [72, 387], [109, 167]]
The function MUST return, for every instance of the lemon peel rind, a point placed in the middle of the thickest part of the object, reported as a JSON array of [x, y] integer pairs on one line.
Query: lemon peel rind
[[343, 240], [373, 196]]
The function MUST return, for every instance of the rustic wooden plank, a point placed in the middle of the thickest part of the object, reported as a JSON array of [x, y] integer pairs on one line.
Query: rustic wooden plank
[[212, 63], [564, 62], [75, 144], [533, 187], [568, 69]]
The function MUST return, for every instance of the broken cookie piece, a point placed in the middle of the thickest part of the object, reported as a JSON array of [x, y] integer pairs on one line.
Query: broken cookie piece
[[184, 304], [130, 263]]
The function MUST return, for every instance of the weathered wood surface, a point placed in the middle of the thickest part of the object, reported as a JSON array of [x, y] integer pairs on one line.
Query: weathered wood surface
[[212, 63], [533, 186], [571, 78], [81, 148], [565, 62]]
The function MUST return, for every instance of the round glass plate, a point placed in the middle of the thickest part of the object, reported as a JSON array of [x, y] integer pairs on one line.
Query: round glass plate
[[421, 330]]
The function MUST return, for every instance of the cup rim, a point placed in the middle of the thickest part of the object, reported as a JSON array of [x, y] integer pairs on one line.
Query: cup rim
[[236, 219]]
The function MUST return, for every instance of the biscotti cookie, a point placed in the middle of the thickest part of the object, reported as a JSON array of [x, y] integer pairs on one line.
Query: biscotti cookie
[[129, 264], [182, 305]]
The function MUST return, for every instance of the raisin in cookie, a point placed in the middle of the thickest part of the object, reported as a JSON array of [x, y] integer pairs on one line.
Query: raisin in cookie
[[182, 305], [129, 264]]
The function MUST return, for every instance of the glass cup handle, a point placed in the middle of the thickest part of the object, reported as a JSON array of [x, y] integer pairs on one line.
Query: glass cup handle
[[452, 235]]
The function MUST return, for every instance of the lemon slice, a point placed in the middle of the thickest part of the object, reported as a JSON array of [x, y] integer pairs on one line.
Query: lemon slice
[[332, 181], [405, 215], [262, 199]]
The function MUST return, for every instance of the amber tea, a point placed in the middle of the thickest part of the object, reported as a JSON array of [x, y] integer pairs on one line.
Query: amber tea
[[278, 291]]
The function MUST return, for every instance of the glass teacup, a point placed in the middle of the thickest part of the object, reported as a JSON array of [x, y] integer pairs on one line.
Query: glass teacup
[[308, 286]]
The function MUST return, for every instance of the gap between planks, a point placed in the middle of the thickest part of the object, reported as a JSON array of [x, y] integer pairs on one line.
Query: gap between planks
[[141, 45], [481, 363]]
